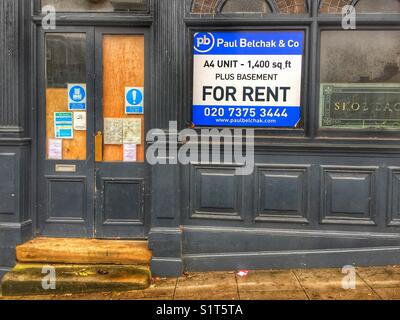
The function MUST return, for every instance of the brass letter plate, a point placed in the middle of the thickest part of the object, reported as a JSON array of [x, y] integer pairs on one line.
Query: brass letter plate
[[65, 168]]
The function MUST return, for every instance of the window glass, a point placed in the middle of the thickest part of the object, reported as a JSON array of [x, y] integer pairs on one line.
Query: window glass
[[291, 6], [360, 79], [204, 6], [249, 6], [65, 59], [66, 72], [378, 6], [362, 6], [333, 6], [97, 5]]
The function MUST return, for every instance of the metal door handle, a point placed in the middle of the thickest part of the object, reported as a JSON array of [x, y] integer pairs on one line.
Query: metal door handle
[[98, 152]]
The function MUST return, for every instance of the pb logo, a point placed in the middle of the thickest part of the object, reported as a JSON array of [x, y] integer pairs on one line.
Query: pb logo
[[203, 42]]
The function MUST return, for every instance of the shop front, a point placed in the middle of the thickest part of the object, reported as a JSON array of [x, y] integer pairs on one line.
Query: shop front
[[111, 111]]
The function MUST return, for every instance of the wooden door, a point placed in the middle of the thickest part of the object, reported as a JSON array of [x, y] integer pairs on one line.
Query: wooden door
[[65, 127], [121, 173]]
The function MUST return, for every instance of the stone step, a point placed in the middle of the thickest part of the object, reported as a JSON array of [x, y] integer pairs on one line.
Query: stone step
[[84, 251], [28, 279]]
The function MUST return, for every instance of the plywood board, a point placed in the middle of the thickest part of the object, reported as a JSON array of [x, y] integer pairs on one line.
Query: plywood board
[[123, 66], [57, 101]]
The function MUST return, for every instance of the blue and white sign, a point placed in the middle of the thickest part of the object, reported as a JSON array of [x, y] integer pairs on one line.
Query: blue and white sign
[[134, 100], [63, 125], [247, 79], [77, 97]]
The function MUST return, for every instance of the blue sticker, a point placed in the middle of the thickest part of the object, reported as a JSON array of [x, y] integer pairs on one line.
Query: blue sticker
[[77, 97], [134, 99]]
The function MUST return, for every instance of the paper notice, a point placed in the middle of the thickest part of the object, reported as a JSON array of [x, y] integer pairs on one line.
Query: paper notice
[[130, 153], [80, 121], [133, 131], [55, 149], [113, 131]]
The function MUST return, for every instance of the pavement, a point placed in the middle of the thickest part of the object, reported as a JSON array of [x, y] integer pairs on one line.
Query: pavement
[[376, 283]]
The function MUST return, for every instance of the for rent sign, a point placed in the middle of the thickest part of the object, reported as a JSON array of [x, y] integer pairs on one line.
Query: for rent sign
[[247, 79]]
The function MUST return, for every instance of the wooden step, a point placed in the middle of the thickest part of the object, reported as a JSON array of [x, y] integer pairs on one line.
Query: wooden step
[[84, 251], [26, 279]]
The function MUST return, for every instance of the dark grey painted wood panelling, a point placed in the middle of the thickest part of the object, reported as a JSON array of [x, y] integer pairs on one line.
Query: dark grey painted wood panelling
[[169, 87], [169, 43], [349, 195], [297, 190], [216, 193], [394, 196], [8, 185], [211, 249], [123, 201], [165, 195], [12, 234], [14, 184], [213, 240], [66, 199], [358, 257], [15, 105], [14, 46], [283, 193]]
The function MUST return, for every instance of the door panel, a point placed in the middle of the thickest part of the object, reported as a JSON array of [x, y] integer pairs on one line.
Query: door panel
[[66, 165], [121, 199]]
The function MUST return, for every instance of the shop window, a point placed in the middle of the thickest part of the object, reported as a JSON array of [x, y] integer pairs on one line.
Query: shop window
[[249, 6], [97, 5], [360, 79], [362, 6]]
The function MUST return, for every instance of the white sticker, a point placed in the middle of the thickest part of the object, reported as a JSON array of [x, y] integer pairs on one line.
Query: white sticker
[[80, 121]]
